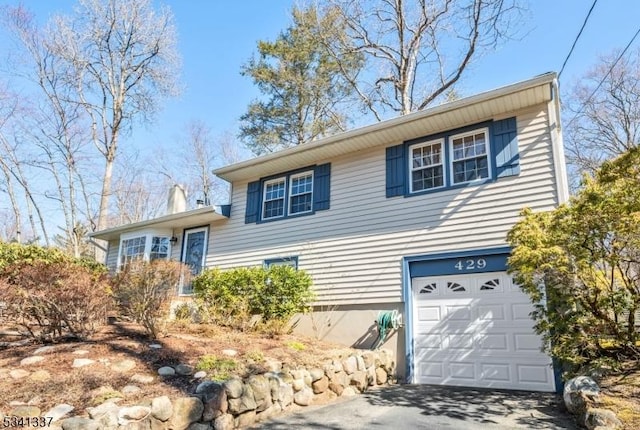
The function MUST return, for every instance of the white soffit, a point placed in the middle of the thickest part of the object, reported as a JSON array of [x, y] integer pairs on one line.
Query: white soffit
[[469, 110]]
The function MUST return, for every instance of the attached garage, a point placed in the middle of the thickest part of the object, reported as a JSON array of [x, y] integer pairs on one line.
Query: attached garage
[[473, 329]]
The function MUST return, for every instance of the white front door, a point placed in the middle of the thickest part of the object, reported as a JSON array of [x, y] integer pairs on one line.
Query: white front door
[[194, 249], [475, 331]]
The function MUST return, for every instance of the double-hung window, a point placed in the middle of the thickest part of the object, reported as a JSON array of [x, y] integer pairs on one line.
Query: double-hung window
[[274, 191], [288, 195], [301, 193], [426, 166], [469, 159]]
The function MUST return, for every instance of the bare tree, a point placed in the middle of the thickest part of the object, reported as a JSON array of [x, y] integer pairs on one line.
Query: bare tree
[[417, 50], [603, 111], [122, 60]]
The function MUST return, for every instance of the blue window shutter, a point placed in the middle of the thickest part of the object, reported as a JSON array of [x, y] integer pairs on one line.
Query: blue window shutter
[[253, 203], [321, 187], [505, 147], [396, 171]]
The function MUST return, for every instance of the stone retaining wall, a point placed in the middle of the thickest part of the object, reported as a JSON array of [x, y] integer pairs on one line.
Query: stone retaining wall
[[238, 403]]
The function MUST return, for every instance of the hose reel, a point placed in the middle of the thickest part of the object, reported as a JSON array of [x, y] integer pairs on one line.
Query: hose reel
[[386, 321]]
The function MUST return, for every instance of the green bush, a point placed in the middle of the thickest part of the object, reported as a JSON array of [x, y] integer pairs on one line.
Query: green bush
[[233, 296], [50, 294], [143, 291], [580, 265]]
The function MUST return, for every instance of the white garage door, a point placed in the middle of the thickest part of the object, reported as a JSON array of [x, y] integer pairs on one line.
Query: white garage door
[[475, 331]]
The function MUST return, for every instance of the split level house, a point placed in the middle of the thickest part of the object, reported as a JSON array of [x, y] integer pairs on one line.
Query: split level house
[[407, 215]]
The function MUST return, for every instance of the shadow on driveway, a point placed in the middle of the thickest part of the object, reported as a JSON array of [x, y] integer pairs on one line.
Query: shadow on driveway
[[434, 407]]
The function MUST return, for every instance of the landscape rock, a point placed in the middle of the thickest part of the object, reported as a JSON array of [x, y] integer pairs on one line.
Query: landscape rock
[[142, 379], [359, 380], [79, 423], [601, 419], [100, 410], [316, 374], [381, 376], [579, 391], [80, 352], [246, 402], [161, 408], [166, 371], [360, 363], [155, 346], [130, 390], [123, 366], [224, 422], [233, 387], [81, 362], [184, 369], [321, 385], [285, 397], [40, 376], [44, 350], [199, 426], [133, 413], [337, 365], [31, 360], [369, 359], [348, 392], [245, 419], [19, 373], [350, 364], [298, 384], [214, 398], [58, 411], [25, 411], [199, 375], [229, 352], [261, 391], [336, 388], [186, 410], [303, 397]]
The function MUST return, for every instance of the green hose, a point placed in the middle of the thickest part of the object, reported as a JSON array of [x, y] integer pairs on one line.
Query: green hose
[[386, 321]]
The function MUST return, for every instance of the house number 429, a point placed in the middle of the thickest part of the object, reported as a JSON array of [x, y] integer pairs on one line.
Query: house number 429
[[471, 263]]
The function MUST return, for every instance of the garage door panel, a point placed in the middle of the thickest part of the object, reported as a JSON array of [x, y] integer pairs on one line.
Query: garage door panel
[[477, 332]]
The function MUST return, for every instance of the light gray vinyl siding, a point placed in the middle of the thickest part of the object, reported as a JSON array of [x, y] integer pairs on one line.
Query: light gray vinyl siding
[[112, 255], [354, 250]]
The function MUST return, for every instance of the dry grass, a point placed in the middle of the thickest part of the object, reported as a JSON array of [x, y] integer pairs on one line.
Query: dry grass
[[185, 343], [621, 394]]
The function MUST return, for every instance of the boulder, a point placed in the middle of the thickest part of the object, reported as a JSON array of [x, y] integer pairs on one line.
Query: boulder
[[381, 376], [132, 414], [186, 410], [369, 358], [336, 388], [303, 397], [360, 362], [224, 422], [58, 411], [166, 371], [184, 369], [321, 385], [161, 408], [285, 397], [100, 410], [348, 392], [601, 419], [245, 419], [199, 375], [246, 402], [578, 392], [214, 398], [337, 366], [316, 374], [359, 380], [261, 391], [298, 384], [79, 423], [233, 387], [31, 360], [350, 364], [199, 426]]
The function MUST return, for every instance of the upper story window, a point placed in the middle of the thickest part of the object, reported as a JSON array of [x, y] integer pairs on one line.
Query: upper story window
[[300, 192], [461, 157], [426, 166], [274, 191], [470, 156]]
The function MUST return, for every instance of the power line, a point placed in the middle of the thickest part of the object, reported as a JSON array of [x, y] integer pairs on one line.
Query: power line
[[586, 102], [577, 37]]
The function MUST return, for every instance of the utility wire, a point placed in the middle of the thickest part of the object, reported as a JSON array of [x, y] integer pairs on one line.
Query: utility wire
[[577, 37], [604, 78]]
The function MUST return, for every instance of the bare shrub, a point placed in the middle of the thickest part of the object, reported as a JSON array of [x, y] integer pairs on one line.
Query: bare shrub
[[52, 299], [143, 291]]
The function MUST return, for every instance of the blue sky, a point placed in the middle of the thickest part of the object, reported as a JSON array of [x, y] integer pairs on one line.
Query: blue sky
[[217, 37]]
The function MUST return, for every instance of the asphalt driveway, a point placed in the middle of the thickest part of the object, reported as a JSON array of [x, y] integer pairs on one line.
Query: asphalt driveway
[[433, 407]]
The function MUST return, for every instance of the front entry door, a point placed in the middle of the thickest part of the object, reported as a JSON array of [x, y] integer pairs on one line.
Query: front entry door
[[194, 250]]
